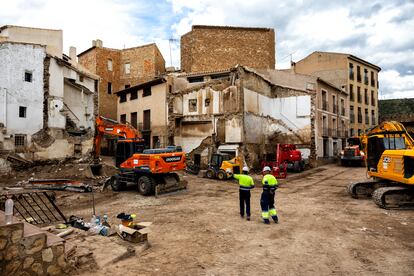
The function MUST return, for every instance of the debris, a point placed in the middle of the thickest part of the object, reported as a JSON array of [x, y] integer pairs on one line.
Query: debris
[[58, 185], [65, 233]]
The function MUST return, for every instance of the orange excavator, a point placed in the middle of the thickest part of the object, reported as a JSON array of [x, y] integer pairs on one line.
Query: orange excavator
[[152, 170]]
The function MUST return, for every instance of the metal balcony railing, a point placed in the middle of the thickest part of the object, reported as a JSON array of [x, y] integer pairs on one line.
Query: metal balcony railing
[[326, 132]]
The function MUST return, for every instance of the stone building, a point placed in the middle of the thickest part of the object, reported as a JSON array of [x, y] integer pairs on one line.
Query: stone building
[[212, 48], [332, 115], [357, 76], [241, 112], [120, 69], [400, 110], [49, 102], [144, 106]]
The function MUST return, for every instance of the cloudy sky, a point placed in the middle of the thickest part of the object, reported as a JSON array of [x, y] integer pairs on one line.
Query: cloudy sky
[[379, 31]]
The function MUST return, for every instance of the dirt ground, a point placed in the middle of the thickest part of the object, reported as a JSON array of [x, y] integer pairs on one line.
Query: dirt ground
[[322, 231]]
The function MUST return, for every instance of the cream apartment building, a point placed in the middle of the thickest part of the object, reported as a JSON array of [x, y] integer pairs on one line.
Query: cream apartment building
[[358, 77]]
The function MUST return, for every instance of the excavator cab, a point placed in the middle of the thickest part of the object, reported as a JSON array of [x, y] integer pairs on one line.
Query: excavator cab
[[125, 148]]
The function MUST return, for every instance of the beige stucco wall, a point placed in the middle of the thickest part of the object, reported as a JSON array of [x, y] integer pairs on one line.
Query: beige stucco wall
[[53, 39], [157, 103]]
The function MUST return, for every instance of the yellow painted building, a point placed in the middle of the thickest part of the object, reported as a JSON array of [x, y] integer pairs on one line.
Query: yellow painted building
[[357, 77]]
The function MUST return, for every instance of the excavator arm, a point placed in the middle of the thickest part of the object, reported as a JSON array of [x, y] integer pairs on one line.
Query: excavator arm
[[106, 126]]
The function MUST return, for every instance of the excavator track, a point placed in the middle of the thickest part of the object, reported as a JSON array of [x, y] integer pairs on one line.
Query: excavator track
[[396, 197], [364, 189]]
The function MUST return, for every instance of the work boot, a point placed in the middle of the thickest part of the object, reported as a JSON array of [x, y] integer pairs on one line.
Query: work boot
[[242, 216], [266, 221], [248, 218], [275, 219]]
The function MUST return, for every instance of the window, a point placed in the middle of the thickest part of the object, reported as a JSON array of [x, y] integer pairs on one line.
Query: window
[[351, 132], [334, 105], [359, 94], [351, 71], [81, 78], [109, 88], [324, 101], [366, 76], [123, 118], [359, 115], [342, 107], [366, 96], [372, 79], [20, 140], [206, 102], [127, 68], [373, 121], [134, 95], [28, 76], [195, 79], [147, 120], [351, 92], [146, 91], [127, 86], [366, 116], [372, 98], [22, 111], [358, 73], [351, 114], [109, 64], [192, 105], [122, 98], [134, 119]]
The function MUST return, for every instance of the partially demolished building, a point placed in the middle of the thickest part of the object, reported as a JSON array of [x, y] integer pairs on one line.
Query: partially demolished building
[[48, 102], [240, 112]]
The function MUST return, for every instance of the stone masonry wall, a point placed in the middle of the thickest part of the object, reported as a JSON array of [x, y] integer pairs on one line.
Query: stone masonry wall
[[30, 255], [209, 48]]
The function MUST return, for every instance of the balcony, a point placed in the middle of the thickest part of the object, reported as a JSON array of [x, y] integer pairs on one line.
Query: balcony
[[326, 132], [335, 133], [325, 105], [366, 80], [144, 127]]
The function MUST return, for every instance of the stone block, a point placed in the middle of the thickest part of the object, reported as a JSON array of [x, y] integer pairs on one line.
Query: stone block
[[27, 262], [16, 235], [34, 244], [54, 270], [61, 261], [7, 230], [13, 267], [12, 252], [37, 268], [3, 243], [47, 255]]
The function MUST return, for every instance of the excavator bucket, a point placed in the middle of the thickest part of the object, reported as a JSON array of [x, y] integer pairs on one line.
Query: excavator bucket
[[170, 183]]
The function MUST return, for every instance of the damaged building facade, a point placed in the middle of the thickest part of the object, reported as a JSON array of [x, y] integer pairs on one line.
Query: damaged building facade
[[240, 112], [48, 101]]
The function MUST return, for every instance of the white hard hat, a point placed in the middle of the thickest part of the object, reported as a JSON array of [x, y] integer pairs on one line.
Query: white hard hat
[[245, 169], [267, 169]]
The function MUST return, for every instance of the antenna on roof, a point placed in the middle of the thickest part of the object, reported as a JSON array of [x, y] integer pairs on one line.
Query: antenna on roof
[[169, 43]]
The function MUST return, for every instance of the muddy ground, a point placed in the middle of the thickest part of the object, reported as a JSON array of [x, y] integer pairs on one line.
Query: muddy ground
[[322, 231]]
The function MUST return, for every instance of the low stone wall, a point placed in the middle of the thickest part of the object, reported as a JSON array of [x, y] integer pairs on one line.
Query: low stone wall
[[30, 254]]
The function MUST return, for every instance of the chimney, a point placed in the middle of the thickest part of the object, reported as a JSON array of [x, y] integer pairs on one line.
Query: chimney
[[97, 43], [72, 54]]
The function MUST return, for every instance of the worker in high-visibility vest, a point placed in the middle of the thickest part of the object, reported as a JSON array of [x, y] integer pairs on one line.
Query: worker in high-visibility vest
[[246, 183], [267, 199]]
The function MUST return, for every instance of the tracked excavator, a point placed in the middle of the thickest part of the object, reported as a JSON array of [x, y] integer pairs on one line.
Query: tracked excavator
[[152, 170], [389, 161]]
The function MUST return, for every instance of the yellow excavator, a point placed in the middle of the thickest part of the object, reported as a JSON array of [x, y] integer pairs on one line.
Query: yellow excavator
[[389, 161]]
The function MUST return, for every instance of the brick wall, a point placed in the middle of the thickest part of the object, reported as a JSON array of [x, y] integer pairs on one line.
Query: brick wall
[[209, 48], [146, 62]]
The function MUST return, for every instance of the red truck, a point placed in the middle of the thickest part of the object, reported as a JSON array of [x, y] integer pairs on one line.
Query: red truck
[[287, 158], [353, 154]]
